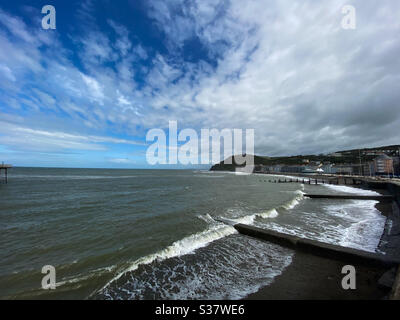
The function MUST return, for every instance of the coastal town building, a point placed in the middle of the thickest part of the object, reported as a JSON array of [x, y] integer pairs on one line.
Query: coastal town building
[[383, 165], [366, 163], [329, 168], [293, 169], [344, 169], [368, 169]]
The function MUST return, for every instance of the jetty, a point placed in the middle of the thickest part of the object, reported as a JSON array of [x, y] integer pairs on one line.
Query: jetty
[[5, 167]]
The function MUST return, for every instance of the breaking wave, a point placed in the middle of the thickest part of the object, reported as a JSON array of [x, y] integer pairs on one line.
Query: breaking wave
[[181, 247]]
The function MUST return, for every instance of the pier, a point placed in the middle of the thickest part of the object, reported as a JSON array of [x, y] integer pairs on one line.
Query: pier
[[5, 167]]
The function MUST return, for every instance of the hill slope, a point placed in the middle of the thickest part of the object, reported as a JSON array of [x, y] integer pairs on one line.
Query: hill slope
[[340, 157]]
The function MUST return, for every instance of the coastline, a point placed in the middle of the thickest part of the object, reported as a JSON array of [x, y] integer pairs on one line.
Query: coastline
[[313, 277]]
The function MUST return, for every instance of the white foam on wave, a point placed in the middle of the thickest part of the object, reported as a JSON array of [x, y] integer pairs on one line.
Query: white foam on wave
[[352, 190], [269, 214], [181, 247], [215, 231], [352, 223], [241, 173], [250, 219], [294, 202], [291, 204], [83, 277], [233, 269], [367, 224], [206, 218]]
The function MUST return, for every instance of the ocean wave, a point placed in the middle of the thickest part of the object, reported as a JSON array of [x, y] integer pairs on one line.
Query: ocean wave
[[249, 219], [83, 277], [353, 223], [230, 268], [367, 224], [352, 190], [294, 202], [181, 247], [237, 217]]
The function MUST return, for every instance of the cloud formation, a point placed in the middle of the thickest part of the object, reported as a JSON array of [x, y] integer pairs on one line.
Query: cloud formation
[[285, 68]]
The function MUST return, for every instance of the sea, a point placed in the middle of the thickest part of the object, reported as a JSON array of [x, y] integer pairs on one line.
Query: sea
[[162, 234]]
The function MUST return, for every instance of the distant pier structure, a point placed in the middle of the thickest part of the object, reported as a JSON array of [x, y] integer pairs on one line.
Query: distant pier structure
[[5, 167]]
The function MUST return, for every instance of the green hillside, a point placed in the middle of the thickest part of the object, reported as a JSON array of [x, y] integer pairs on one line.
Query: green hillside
[[346, 157]]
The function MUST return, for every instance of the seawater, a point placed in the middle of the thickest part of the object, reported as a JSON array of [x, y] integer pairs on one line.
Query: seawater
[[156, 234]]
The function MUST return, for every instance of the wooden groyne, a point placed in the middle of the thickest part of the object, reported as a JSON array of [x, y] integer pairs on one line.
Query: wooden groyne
[[5, 167], [326, 250], [351, 197], [303, 181], [316, 181]]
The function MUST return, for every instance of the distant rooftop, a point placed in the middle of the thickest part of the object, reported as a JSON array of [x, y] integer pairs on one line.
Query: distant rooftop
[[383, 156]]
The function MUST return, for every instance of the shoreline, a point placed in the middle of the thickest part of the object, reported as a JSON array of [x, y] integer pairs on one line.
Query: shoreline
[[319, 278]]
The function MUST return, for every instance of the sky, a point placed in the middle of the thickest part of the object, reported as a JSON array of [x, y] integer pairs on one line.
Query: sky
[[86, 93]]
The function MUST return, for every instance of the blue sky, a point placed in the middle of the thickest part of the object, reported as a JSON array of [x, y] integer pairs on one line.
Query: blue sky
[[85, 94]]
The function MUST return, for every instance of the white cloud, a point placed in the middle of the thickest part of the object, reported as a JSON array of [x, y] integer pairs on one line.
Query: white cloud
[[24, 138], [6, 72], [17, 27], [122, 161], [284, 68], [95, 90], [290, 72]]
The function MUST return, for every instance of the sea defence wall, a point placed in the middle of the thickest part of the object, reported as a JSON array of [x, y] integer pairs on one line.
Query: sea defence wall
[[349, 197], [394, 233], [348, 255]]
